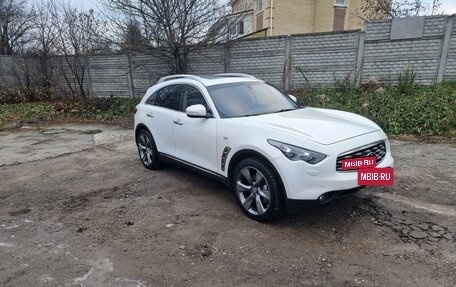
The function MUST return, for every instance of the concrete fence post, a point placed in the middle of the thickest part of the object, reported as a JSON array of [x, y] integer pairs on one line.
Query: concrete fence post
[[360, 57], [89, 79], [287, 72], [226, 57], [131, 83], [445, 47]]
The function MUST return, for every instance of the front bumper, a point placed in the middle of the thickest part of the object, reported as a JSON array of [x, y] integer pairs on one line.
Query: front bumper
[[303, 181], [296, 205]]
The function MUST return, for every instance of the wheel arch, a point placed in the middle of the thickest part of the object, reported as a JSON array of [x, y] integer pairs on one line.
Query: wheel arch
[[248, 153], [140, 127]]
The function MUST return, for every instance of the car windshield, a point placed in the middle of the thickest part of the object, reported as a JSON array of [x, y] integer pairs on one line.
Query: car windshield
[[249, 99]]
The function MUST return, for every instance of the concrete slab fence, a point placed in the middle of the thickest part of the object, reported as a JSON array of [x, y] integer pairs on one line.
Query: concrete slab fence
[[426, 45]]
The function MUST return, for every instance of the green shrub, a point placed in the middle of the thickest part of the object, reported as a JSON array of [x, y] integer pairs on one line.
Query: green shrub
[[109, 108], [401, 109], [22, 111], [25, 95], [406, 80], [95, 108]]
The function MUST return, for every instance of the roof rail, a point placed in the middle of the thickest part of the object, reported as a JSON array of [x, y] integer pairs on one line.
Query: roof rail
[[239, 75], [179, 76]]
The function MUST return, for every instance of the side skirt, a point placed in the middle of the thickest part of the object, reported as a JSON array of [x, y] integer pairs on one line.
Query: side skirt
[[170, 159]]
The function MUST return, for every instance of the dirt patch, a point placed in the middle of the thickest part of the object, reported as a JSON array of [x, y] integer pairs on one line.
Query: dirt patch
[[20, 212], [426, 139], [96, 217], [424, 232], [425, 171]]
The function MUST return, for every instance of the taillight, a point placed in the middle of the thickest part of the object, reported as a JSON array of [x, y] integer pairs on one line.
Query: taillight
[[134, 110]]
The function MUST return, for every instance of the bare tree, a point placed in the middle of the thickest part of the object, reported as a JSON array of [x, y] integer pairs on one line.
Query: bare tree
[[170, 26], [77, 41], [385, 9], [45, 37], [132, 37], [15, 23]]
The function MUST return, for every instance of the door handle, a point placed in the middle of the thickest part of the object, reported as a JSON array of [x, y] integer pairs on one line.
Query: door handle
[[178, 122], [150, 115]]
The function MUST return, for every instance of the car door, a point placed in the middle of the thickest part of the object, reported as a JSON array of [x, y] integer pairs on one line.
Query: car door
[[195, 138], [162, 108]]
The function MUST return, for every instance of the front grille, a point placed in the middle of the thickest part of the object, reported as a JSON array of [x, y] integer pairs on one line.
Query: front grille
[[378, 149]]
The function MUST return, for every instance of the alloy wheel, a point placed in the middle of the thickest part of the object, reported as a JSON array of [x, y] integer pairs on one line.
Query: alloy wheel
[[253, 190], [145, 149]]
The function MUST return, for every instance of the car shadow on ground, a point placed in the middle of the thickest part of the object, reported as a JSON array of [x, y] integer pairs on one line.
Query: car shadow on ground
[[335, 212]]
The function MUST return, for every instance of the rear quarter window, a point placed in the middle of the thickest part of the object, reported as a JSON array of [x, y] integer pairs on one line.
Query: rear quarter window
[[151, 99]]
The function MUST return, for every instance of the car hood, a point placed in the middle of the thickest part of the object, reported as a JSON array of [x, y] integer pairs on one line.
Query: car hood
[[322, 126]]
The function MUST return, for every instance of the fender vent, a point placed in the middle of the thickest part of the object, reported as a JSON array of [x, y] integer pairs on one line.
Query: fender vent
[[225, 153]]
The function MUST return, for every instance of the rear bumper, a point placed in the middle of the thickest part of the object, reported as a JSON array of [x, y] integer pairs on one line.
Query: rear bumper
[[297, 205]]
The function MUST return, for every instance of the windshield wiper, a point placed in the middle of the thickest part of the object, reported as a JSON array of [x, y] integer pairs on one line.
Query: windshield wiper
[[250, 115], [284, 110]]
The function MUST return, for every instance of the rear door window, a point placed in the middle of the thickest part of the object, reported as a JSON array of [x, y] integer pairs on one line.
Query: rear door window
[[168, 97]]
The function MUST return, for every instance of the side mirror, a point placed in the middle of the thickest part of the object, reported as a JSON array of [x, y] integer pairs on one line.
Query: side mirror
[[293, 98], [196, 111]]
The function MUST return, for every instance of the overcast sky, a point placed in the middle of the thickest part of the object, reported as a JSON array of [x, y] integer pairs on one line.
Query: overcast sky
[[448, 6]]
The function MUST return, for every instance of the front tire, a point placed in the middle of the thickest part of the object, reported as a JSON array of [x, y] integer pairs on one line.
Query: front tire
[[257, 189], [147, 150]]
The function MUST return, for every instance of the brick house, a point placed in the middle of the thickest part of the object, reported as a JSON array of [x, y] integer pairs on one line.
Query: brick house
[[297, 16]]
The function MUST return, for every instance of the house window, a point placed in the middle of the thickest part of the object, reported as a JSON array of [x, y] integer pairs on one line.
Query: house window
[[259, 21], [339, 18], [340, 3], [232, 29], [241, 27], [260, 5]]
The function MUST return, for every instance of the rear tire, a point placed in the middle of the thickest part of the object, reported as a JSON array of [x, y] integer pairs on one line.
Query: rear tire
[[257, 190], [147, 150]]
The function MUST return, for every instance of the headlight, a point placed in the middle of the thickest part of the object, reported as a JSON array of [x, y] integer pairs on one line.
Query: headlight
[[295, 153]]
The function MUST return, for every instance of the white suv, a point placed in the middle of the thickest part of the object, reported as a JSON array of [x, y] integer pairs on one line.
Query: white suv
[[248, 134]]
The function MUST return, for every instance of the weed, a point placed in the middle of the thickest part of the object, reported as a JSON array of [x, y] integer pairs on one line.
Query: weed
[[428, 110]]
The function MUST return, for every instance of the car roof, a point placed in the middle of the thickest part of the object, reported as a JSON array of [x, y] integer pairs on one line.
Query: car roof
[[211, 80]]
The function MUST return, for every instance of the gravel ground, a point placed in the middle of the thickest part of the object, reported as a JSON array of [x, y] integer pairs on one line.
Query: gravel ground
[[78, 209]]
